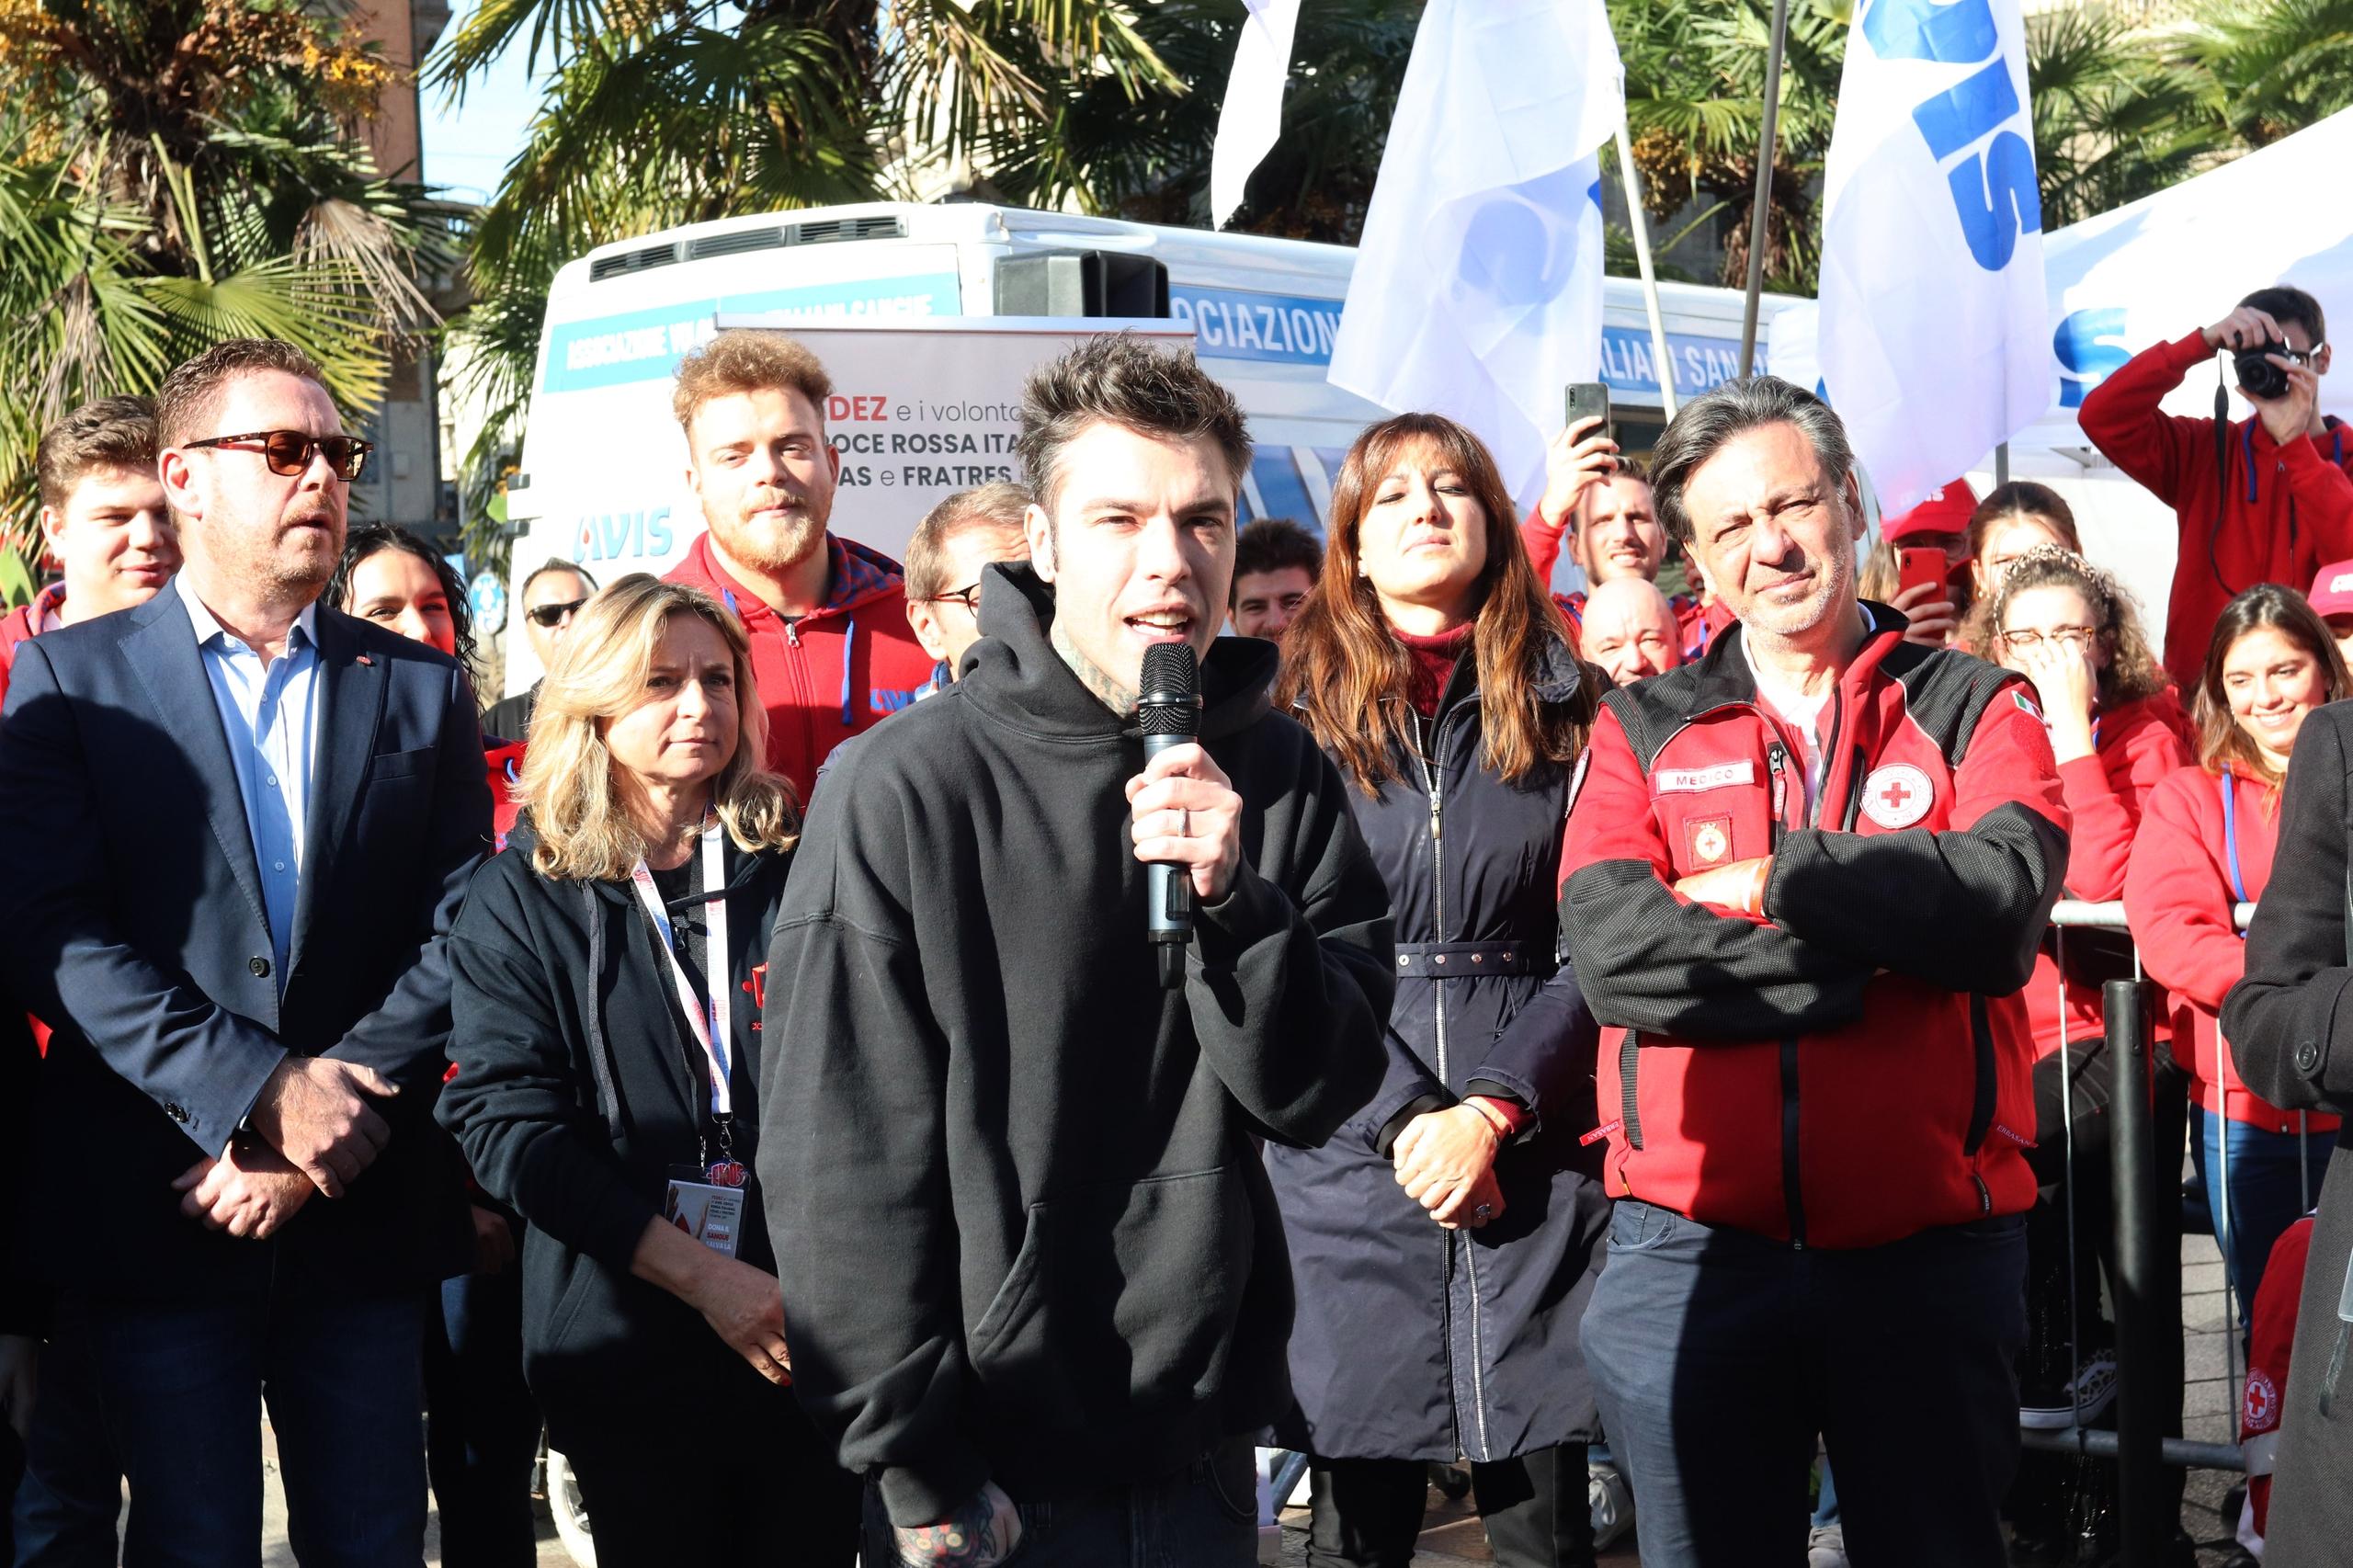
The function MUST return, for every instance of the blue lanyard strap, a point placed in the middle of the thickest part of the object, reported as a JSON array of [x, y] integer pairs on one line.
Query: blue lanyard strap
[[2231, 839]]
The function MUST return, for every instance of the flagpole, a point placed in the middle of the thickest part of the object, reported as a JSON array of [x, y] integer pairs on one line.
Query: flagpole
[[2001, 465], [1763, 185], [1642, 261]]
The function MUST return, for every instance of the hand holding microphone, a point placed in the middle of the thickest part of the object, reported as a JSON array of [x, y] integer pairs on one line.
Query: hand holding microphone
[[1183, 813]]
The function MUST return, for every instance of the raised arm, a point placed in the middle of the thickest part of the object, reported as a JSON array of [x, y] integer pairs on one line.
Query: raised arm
[[2122, 417]]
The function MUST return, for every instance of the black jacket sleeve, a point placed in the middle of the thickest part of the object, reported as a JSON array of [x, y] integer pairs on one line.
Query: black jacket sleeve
[[2289, 1027], [516, 1105], [1290, 999], [1964, 908], [1545, 1056]]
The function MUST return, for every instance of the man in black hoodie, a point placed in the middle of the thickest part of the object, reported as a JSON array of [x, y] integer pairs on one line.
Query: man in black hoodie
[[1034, 1280]]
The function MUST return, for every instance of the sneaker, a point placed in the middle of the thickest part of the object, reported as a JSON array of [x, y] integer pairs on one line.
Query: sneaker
[[1827, 1547], [2051, 1402], [1612, 1501]]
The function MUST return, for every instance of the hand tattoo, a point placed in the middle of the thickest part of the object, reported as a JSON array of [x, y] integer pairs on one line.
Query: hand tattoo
[[965, 1538]]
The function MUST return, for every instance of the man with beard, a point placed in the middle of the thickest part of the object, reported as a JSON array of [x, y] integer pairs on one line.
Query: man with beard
[[831, 647], [1806, 877], [983, 1090], [255, 818]]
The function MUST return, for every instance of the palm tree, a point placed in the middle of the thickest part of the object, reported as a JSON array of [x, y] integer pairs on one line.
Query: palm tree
[[2269, 68], [2116, 118], [661, 112], [175, 171]]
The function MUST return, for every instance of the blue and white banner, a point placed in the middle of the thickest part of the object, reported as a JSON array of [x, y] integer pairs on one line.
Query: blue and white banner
[[1934, 340], [1477, 289]]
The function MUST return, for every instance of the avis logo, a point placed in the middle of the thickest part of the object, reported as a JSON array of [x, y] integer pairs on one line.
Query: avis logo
[[622, 536], [1992, 187], [2090, 347]]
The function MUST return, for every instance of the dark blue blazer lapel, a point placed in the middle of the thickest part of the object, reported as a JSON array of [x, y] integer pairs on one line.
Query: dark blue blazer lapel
[[351, 704], [161, 649]]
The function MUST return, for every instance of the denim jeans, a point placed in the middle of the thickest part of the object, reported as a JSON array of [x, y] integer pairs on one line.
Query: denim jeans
[[168, 1396], [2266, 1190], [1720, 1355], [481, 1426], [1205, 1516]]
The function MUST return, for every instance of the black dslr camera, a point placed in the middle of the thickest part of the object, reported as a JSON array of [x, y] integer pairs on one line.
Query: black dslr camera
[[2259, 377]]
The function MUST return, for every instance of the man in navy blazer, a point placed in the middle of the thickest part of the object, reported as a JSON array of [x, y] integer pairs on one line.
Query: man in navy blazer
[[247, 823]]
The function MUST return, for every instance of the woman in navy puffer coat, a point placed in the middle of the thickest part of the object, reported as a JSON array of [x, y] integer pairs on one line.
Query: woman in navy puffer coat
[[1444, 1243]]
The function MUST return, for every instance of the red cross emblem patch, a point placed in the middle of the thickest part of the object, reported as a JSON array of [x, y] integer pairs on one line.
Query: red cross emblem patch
[[1897, 795]]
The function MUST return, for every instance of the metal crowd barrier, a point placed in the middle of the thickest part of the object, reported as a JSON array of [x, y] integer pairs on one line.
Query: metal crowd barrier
[[2141, 1275]]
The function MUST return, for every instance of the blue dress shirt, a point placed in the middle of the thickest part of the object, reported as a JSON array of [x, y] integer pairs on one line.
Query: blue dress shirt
[[269, 714]]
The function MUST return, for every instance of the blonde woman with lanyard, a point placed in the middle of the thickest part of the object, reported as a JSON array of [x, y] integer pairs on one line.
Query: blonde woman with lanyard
[[607, 979]]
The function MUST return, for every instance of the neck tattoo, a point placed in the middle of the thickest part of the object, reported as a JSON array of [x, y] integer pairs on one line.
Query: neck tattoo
[[1117, 694]]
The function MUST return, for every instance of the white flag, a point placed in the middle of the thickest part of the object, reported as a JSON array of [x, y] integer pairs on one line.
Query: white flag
[[1477, 289], [1250, 119], [1934, 330]]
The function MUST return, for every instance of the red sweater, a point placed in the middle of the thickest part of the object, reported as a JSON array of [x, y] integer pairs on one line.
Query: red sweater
[[2138, 745], [2178, 896], [837, 672], [2277, 514]]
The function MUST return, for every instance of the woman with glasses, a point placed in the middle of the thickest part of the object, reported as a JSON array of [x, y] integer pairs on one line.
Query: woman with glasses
[[2206, 845], [2066, 626], [605, 990]]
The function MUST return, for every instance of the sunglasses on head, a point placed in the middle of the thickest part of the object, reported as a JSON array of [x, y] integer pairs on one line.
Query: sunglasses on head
[[288, 452], [554, 615]]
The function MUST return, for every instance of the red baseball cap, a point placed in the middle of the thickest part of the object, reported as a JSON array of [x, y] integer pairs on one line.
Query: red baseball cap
[[1946, 511], [2333, 589]]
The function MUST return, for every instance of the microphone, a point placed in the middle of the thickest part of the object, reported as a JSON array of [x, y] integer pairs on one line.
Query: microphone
[[1168, 708]]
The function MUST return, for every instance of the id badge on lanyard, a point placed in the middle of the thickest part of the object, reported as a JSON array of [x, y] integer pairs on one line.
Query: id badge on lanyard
[[706, 1201]]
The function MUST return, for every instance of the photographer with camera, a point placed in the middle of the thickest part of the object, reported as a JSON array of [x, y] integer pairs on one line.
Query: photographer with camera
[[2266, 499]]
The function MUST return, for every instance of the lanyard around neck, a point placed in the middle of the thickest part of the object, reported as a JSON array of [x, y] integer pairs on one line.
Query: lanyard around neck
[[710, 1014]]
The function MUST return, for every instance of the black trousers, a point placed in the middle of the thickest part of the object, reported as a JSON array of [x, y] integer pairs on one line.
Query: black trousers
[[1368, 1512], [685, 1486]]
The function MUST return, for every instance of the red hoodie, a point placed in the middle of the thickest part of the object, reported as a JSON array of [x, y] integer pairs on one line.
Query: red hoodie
[[23, 624], [2275, 515], [1543, 542], [2178, 893], [2137, 745], [837, 671]]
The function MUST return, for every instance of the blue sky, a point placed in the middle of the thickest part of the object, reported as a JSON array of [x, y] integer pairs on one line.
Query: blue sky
[[467, 147]]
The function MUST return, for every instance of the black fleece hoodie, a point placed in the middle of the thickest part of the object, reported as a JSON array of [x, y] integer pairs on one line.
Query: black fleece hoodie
[[1018, 1213], [577, 1088]]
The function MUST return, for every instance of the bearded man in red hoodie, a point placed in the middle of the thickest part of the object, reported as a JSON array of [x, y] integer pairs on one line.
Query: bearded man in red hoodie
[[831, 647], [2260, 500]]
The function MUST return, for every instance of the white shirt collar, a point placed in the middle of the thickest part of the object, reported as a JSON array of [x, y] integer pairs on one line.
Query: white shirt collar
[[208, 625]]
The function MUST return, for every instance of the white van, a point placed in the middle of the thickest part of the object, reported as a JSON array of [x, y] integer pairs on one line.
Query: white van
[[602, 456]]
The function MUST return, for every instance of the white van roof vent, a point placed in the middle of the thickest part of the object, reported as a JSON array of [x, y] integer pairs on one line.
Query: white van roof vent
[[630, 261], [736, 242], [876, 226]]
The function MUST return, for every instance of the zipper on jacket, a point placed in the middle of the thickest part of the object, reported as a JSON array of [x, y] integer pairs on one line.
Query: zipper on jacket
[[1791, 1194], [1981, 1104], [1856, 775], [1629, 1055], [1777, 757]]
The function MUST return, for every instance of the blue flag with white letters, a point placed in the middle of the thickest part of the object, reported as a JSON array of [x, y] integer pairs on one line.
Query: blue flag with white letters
[[1934, 330]]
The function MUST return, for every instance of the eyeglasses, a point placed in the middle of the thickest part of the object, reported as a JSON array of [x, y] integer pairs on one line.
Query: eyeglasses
[[2071, 636], [554, 615], [2300, 356], [968, 597], [288, 452]]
